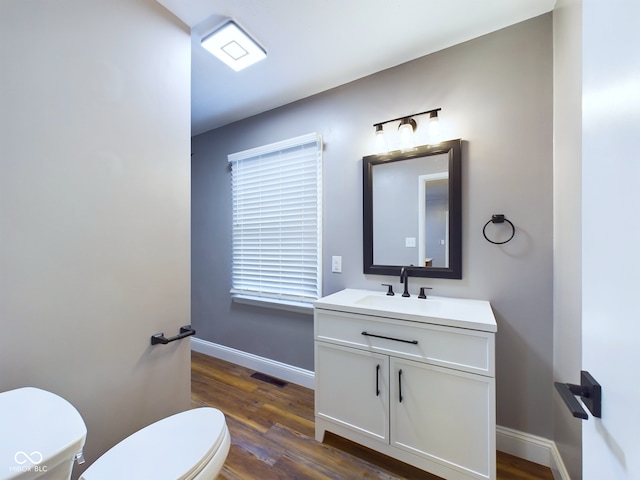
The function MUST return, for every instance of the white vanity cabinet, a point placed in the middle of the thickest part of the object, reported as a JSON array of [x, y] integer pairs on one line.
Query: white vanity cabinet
[[398, 379]]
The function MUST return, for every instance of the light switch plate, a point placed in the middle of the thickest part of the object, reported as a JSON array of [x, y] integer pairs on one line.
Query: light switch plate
[[410, 241], [336, 264]]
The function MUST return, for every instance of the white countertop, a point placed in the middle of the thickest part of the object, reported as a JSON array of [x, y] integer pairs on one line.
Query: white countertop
[[453, 312]]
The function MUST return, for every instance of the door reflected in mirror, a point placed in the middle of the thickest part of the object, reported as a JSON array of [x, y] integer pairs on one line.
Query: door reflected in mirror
[[412, 213], [433, 220]]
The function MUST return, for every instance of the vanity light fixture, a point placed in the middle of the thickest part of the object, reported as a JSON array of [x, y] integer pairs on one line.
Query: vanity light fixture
[[406, 130], [381, 142], [234, 46], [434, 129]]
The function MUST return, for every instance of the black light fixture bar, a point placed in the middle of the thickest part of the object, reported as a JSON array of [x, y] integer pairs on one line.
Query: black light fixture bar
[[406, 116]]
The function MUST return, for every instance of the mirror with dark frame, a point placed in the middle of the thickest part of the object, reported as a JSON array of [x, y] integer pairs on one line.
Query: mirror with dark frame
[[413, 211]]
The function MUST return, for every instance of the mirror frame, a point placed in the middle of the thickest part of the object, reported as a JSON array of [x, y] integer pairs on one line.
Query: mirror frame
[[453, 148]]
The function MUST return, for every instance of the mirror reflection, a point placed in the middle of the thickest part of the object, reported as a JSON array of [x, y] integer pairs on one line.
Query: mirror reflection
[[412, 211]]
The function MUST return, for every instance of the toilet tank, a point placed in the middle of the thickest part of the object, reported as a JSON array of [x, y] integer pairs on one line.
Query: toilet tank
[[42, 435]]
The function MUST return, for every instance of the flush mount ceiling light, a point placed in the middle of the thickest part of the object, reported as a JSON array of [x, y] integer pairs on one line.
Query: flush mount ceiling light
[[234, 46], [406, 129]]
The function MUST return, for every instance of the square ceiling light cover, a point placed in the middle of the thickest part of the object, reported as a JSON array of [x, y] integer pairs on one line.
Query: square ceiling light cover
[[233, 46]]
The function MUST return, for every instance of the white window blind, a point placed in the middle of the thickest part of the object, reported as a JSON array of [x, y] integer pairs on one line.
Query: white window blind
[[277, 228]]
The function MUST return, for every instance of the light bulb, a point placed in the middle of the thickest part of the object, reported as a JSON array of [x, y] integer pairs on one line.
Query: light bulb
[[405, 132], [381, 142], [434, 129]]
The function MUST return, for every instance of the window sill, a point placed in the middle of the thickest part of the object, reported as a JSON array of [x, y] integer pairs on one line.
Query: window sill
[[291, 306]]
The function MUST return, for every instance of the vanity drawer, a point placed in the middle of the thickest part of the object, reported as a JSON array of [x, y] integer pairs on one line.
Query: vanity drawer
[[458, 348]]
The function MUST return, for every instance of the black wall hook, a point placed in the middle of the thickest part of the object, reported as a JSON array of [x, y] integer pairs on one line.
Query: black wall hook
[[498, 218]]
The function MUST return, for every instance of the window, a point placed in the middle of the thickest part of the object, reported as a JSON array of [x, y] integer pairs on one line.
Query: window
[[277, 227]]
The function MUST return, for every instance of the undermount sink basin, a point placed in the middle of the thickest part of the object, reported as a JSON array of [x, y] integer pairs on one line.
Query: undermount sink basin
[[397, 303], [456, 312]]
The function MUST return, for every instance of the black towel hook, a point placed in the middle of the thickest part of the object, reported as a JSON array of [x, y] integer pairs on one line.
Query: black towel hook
[[159, 338], [498, 218]]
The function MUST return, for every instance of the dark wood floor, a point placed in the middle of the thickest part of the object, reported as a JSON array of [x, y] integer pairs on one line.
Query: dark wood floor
[[272, 432]]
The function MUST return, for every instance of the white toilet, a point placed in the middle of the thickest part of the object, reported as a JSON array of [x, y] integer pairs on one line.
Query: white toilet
[[42, 435]]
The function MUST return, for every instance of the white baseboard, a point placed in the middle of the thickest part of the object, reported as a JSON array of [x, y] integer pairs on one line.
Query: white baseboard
[[530, 447], [274, 368], [533, 448]]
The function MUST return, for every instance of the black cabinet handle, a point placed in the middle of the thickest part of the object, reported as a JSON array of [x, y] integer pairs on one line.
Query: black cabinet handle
[[400, 385], [377, 380], [185, 331], [366, 334]]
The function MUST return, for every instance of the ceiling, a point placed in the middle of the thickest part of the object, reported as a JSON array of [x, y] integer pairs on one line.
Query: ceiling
[[315, 45]]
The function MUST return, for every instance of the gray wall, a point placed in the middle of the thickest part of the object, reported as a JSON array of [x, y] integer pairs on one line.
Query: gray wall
[[567, 355], [496, 94], [94, 209]]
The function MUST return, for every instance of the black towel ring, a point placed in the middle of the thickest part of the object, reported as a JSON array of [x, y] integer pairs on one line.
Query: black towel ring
[[498, 218]]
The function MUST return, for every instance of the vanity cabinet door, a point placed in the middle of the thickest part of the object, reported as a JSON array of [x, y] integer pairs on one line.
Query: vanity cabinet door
[[352, 389], [444, 415]]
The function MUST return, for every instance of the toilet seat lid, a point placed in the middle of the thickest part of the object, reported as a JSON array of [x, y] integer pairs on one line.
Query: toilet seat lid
[[176, 447], [39, 428]]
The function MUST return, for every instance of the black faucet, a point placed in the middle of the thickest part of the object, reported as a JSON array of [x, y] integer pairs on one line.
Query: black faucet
[[404, 278], [422, 294]]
